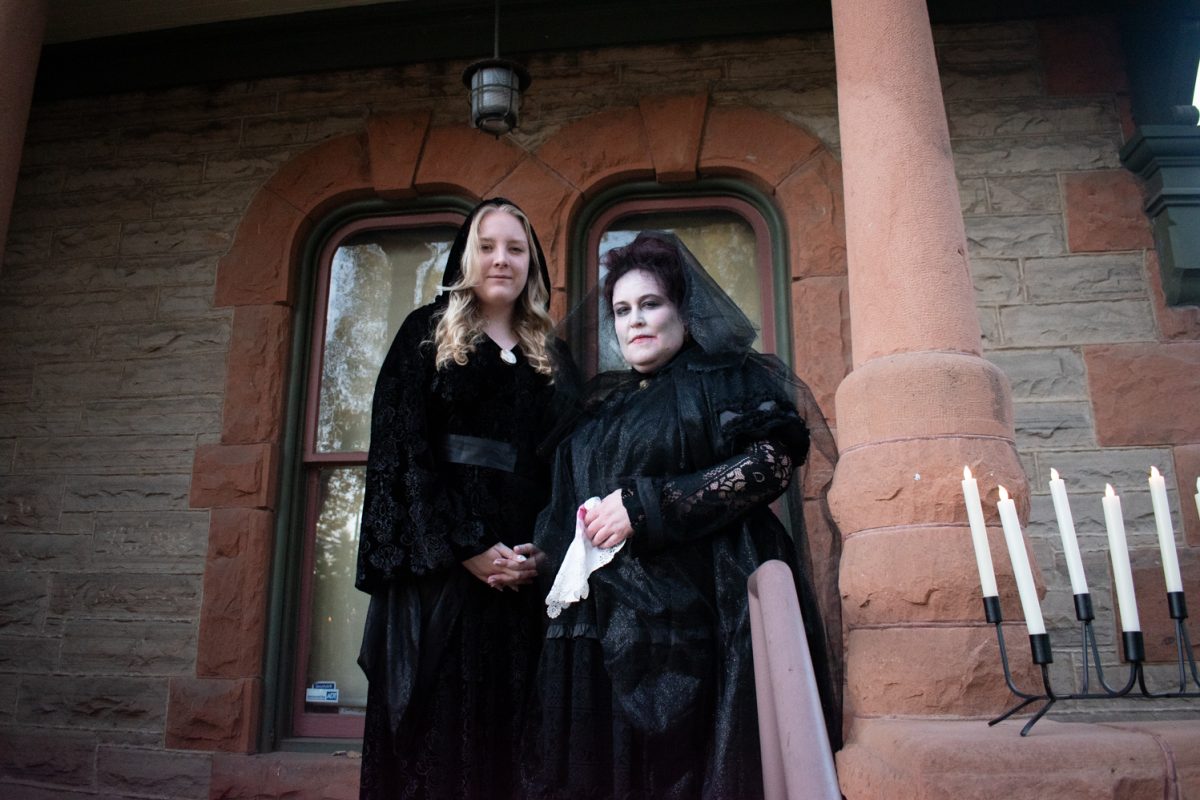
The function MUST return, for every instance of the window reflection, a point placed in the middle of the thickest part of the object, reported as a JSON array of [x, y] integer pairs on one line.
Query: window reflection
[[338, 610], [369, 280], [376, 278]]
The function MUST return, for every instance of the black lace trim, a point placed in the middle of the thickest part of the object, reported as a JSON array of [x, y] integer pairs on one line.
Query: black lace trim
[[699, 503]]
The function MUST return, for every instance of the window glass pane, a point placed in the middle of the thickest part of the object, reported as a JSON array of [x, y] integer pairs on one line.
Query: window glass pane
[[377, 277], [722, 241], [338, 610]]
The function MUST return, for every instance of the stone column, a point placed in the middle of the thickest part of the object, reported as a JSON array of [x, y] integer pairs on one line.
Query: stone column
[[921, 401], [22, 25]]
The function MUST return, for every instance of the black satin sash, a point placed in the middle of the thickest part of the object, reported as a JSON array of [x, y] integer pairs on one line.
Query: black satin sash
[[459, 449]]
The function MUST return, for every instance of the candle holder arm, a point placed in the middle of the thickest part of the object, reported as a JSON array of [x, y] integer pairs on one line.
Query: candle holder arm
[[1050, 700], [1089, 641], [1026, 698], [1184, 645]]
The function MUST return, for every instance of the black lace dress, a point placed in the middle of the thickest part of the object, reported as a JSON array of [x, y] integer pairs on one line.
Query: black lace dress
[[646, 688], [452, 470]]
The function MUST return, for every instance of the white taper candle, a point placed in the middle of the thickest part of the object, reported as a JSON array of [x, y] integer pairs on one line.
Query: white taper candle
[[979, 538], [1166, 531], [1066, 529], [1118, 551], [1020, 563]]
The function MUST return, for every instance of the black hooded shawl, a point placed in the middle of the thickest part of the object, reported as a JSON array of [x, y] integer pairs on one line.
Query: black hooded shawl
[[646, 687], [452, 470]]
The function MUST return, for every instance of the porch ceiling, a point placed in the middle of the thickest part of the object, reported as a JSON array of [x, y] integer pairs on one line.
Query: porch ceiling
[[101, 46]]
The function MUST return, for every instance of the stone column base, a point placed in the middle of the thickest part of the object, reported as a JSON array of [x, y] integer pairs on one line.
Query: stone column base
[[924, 759]]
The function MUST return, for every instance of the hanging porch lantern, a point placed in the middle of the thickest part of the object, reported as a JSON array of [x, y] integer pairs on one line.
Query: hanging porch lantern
[[495, 86]]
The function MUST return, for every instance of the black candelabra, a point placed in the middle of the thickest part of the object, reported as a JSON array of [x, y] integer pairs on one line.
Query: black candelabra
[[1135, 655]]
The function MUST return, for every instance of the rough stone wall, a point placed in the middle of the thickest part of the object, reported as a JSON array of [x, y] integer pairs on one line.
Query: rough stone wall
[[1066, 284], [112, 355]]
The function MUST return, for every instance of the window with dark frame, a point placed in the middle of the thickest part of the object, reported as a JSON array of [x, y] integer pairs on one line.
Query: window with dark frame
[[370, 275]]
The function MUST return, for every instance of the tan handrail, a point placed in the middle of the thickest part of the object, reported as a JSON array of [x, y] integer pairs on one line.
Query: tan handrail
[[797, 760]]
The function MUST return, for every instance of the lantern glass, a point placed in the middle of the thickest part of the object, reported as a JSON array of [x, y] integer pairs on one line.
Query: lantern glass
[[496, 87]]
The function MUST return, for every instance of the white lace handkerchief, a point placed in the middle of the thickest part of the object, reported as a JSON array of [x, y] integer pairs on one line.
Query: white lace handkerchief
[[582, 559]]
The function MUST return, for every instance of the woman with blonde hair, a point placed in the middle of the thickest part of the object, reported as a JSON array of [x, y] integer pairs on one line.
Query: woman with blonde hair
[[452, 491]]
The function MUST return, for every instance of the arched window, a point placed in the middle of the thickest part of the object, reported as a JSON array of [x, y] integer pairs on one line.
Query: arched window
[[366, 273], [369, 274]]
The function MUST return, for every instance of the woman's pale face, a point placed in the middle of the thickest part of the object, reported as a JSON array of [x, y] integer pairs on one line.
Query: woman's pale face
[[503, 260], [647, 323]]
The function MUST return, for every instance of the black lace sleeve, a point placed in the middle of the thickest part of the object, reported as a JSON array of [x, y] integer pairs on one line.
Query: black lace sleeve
[[673, 510], [412, 523]]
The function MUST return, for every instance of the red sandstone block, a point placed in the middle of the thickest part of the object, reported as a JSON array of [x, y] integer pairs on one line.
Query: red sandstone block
[[919, 481], [233, 616], [285, 776], [822, 537], [821, 336], [956, 759], [813, 205], [924, 394], [234, 476], [917, 575], [1104, 212], [1158, 629], [325, 176], [548, 202], [394, 146], [258, 267], [933, 670], [1187, 470], [459, 158], [754, 144], [213, 714], [673, 125], [1145, 393], [1180, 741], [600, 149], [558, 304], [254, 380], [1082, 55]]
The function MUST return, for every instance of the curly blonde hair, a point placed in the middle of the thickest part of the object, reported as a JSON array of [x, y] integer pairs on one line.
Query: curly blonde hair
[[460, 324]]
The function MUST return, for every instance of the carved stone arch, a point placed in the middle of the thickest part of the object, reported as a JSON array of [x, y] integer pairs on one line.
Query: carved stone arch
[[680, 138], [669, 139]]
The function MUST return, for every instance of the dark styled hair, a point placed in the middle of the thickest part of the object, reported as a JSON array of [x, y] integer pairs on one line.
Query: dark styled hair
[[653, 254]]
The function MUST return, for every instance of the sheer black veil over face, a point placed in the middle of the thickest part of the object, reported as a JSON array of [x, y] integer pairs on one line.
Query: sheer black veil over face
[[714, 322]]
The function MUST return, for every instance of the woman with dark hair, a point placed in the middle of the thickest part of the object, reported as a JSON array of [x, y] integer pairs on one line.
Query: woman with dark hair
[[645, 682], [453, 488]]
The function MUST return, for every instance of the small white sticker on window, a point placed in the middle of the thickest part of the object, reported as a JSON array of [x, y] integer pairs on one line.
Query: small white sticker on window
[[322, 692]]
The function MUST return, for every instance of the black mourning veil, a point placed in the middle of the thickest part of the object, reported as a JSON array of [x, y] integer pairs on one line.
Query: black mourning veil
[[719, 328]]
